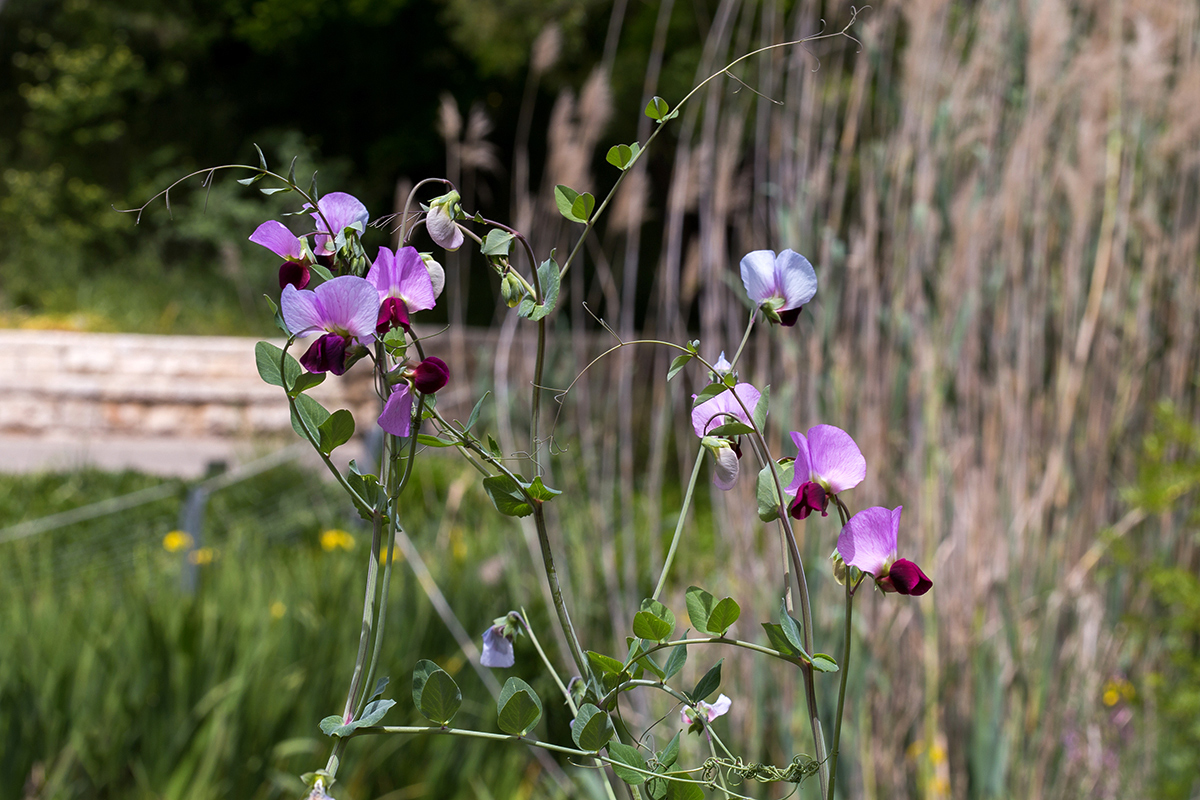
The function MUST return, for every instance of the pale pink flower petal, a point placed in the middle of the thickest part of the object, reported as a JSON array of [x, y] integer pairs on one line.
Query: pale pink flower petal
[[396, 418], [724, 408], [868, 541], [274, 236]]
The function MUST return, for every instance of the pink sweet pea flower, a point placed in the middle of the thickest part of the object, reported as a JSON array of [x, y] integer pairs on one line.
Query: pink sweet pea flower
[[282, 242], [868, 541], [711, 415], [343, 212], [345, 308], [404, 286], [779, 285], [828, 462], [705, 712], [396, 418]]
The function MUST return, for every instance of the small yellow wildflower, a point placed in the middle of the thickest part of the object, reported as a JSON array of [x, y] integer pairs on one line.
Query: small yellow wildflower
[[334, 538], [202, 556], [176, 541], [278, 609]]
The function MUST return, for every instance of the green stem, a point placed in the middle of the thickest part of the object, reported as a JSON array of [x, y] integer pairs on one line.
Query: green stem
[[683, 511], [745, 338], [841, 701], [566, 693], [560, 607]]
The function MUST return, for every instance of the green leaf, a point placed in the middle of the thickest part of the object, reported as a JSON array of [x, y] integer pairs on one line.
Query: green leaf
[[506, 496], [292, 171], [262, 160], [583, 206], [366, 486], [435, 694], [731, 429], [824, 663], [768, 498], [336, 430], [670, 753], [382, 683], [519, 707], [471, 420], [648, 626], [324, 272], [675, 661], [709, 392], [497, 243], [724, 614], [373, 713], [539, 491], [248, 181], [275, 190], [619, 155], [279, 323], [564, 198], [550, 279], [677, 364], [791, 628], [657, 108], [707, 685], [699, 607], [624, 756], [434, 441], [306, 381], [592, 728], [638, 657], [313, 414], [604, 664], [494, 447], [331, 725], [678, 790], [779, 641], [267, 357], [760, 409]]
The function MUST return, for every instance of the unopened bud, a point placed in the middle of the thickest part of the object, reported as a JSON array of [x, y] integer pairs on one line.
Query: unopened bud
[[512, 290]]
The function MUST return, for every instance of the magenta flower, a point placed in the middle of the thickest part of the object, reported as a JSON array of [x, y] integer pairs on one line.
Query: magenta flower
[[705, 712], [868, 541], [404, 286], [779, 285], [282, 242], [345, 308], [396, 418], [497, 648], [343, 212], [713, 414], [828, 462]]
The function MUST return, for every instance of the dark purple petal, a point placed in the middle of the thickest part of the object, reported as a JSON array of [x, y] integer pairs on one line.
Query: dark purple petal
[[327, 354], [392, 313], [430, 375], [810, 497], [293, 273], [907, 578]]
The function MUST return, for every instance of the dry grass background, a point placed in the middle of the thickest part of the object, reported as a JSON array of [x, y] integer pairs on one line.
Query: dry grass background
[[1002, 200]]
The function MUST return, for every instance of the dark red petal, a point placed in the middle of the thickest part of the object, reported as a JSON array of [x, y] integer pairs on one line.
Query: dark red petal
[[294, 273], [788, 318], [430, 375], [810, 497], [392, 313], [327, 354], [908, 578]]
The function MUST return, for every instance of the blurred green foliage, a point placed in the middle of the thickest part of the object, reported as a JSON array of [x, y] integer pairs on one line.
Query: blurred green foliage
[[1164, 615]]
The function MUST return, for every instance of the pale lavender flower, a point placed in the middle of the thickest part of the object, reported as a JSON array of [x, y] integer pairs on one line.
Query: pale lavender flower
[[345, 308], [869, 542], [343, 212], [779, 285], [404, 286], [705, 712], [439, 221], [282, 242], [396, 418], [716, 412], [497, 648]]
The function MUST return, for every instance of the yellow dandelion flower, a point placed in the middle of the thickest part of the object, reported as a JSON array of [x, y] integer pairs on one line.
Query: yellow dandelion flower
[[202, 556], [278, 609], [175, 541], [334, 538]]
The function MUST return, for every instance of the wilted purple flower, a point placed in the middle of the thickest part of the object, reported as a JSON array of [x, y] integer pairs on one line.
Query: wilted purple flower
[[440, 221], [282, 242], [868, 541], [828, 462], [396, 418], [705, 712], [497, 648], [779, 285], [404, 286], [343, 212], [345, 308]]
